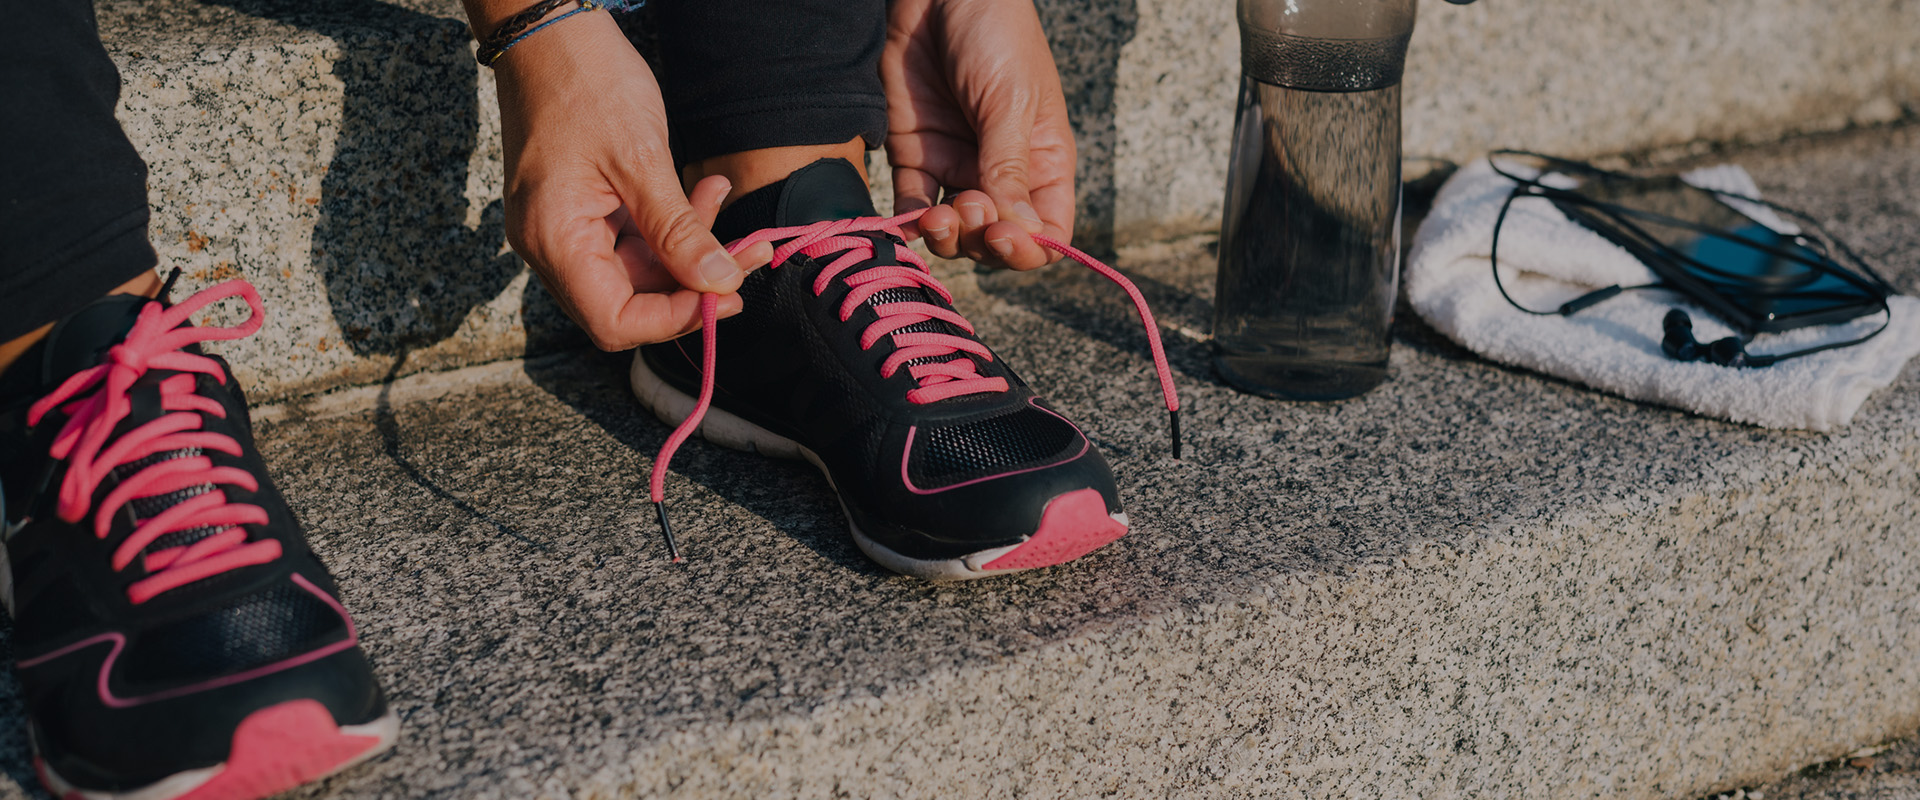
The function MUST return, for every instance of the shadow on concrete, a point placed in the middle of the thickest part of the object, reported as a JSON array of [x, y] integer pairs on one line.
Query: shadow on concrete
[[388, 425], [402, 264], [1087, 36], [1085, 302], [790, 495]]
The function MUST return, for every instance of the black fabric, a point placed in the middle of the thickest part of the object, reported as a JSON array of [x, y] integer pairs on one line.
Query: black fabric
[[1021, 439], [736, 75], [73, 192], [67, 589], [747, 74], [259, 629], [790, 364]]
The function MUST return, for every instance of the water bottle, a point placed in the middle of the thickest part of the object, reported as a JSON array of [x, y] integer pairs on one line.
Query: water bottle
[[1310, 237]]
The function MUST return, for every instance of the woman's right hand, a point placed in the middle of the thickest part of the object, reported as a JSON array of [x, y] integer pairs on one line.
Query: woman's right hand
[[593, 201]]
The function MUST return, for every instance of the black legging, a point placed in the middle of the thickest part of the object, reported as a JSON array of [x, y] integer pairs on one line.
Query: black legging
[[737, 75]]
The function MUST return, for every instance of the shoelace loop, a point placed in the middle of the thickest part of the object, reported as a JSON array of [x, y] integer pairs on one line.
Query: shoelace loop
[[938, 380], [95, 401]]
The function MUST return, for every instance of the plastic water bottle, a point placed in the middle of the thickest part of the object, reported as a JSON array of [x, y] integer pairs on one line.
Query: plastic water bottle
[[1310, 239]]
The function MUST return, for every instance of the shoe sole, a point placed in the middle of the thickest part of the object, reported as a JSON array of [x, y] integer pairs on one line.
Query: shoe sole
[[274, 749], [1072, 525]]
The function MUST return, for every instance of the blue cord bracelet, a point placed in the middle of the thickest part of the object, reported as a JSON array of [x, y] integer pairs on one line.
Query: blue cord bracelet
[[487, 58]]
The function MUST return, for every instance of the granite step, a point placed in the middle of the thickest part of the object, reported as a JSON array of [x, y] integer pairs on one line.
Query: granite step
[[344, 155], [1470, 582]]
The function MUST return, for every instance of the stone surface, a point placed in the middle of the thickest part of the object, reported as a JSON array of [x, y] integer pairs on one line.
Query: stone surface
[[1471, 582], [1575, 79], [345, 155], [1881, 772]]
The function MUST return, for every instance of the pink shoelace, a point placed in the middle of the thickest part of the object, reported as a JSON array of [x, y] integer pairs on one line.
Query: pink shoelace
[[157, 341], [938, 380]]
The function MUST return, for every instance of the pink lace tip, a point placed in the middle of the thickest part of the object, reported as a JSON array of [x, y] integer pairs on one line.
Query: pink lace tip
[[1173, 429]]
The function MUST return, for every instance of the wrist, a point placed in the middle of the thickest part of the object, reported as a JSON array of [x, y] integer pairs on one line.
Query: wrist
[[570, 49], [497, 29], [485, 16]]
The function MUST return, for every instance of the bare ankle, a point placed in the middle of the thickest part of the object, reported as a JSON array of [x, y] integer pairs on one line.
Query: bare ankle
[[753, 169], [147, 285]]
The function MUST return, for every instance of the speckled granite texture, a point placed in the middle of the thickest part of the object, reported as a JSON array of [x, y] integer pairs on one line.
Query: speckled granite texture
[[344, 155], [1471, 582], [1882, 772]]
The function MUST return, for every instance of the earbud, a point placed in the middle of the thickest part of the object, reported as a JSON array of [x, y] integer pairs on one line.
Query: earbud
[[1680, 345]]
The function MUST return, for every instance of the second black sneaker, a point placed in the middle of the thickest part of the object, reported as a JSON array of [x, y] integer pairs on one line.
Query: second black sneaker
[[176, 639], [849, 354]]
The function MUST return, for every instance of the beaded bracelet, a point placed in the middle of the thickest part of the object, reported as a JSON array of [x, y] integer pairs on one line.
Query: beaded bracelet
[[514, 29]]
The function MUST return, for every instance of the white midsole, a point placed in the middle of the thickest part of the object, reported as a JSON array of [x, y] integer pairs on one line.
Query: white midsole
[[386, 729], [726, 429]]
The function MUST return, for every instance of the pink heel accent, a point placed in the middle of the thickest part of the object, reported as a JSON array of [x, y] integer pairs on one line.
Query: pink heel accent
[[280, 747], [1074, 524], [938, 381]]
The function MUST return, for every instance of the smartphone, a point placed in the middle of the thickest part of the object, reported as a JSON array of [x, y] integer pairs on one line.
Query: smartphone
[[1755, 278]]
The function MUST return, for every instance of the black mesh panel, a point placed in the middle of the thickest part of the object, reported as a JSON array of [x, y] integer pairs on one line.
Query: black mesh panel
[[1021, 439], [258, 630]]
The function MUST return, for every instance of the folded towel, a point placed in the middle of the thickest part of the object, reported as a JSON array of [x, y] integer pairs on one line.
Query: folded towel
[[1547, 259]]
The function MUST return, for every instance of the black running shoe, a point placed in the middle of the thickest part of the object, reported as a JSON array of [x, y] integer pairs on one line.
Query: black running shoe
[[849, 354], [175, 637]]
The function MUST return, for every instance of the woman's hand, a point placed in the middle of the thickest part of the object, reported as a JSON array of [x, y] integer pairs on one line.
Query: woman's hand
[[592, 198], [974, 103]]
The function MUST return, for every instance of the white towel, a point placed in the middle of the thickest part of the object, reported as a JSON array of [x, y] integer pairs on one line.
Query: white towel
[[1547, 259]]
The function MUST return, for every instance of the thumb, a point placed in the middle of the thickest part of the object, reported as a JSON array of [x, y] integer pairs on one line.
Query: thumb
[[680, 237], [1005, 153]]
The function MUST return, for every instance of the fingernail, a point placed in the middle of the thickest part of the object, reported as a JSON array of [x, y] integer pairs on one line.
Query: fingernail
[[937, 233], [1024, 210], [717, 269], [1002, 246], [972, 214]]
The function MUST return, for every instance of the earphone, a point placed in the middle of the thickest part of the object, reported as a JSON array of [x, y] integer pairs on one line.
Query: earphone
[[1680, 345]]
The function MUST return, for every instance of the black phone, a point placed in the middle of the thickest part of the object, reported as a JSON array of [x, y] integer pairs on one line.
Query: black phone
[[1755, 278]]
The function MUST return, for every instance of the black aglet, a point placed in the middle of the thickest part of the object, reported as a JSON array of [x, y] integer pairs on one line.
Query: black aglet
[[166, 288], [666, 529], [1173, 426]]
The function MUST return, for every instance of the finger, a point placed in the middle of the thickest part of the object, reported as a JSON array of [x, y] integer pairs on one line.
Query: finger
[[596, 279], [976, 211], [1055, 202], [680, 238], [598, 291], [1010, 246], [1006, 151], [707, 195], [941, 229], [913, 189]]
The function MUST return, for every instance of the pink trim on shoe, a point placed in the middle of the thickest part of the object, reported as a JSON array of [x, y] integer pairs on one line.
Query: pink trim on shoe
[[119, 641], [273, 750], [1074, 524], [937, 381], [906, 453], [280, 747]]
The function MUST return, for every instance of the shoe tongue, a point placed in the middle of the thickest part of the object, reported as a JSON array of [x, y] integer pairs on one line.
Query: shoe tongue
[[826, 189], [81, 340]]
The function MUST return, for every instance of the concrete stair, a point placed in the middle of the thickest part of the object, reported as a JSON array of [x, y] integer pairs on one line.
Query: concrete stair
[[1471, 582], [344, 155]]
